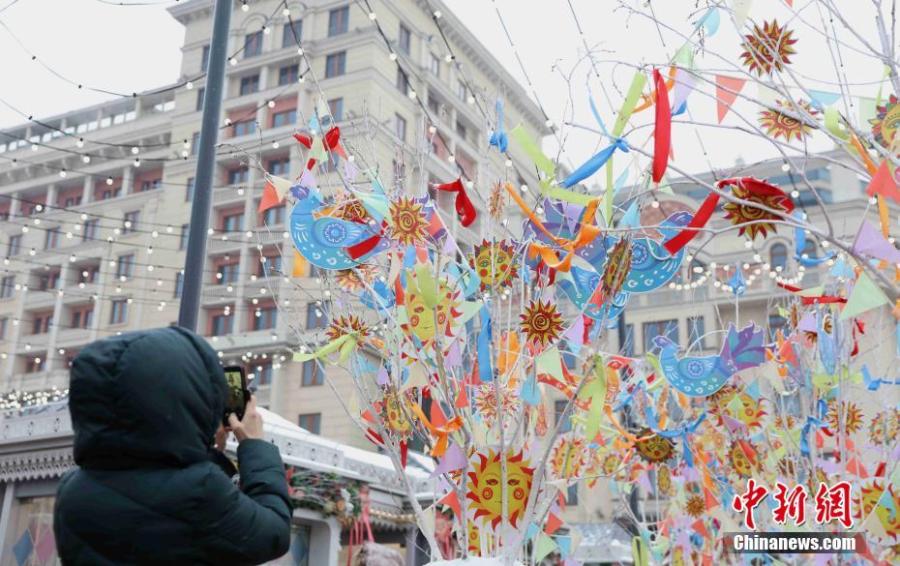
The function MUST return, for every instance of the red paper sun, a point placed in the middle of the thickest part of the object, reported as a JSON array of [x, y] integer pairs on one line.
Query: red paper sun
[[781, 125], [541, 323], [751, 218], [768, 48]]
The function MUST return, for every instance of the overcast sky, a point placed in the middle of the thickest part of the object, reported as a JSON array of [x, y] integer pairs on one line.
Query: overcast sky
[[134, 48]]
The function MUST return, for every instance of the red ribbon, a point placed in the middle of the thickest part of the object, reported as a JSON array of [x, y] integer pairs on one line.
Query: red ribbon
[[465, 210], [356, 251], [662, 133], [689, 232], [824, 299], [331, 141]]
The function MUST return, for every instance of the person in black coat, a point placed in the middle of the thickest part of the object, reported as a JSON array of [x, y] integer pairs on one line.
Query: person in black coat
[[145, 408]]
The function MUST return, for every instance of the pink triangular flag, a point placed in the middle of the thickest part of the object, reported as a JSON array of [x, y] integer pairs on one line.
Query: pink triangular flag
[[883, 183], [870, 242], [727, 89]]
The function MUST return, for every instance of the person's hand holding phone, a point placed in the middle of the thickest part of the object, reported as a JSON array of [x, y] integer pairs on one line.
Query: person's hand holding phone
[[251, 426]]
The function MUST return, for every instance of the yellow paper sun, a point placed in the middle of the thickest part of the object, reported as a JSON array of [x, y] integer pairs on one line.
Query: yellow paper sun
[[541, 323], [850, 413], [355, 279], [778, 124], [350, 324], [874, 498], [422, 321], [569, 457], [747, 410], [654, 448], [664, 479], [740, 463], [768, 48], [486, 402], [485, 487], [408, 224], [884, 427], [494, 264], [695, 506], [393, 415]]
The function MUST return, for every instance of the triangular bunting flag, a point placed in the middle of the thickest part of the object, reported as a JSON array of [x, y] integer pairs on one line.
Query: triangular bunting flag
[[870, 242], [301, 266], [883, 184], [270, 198], [727, 89], [282, 186], [865, 296]]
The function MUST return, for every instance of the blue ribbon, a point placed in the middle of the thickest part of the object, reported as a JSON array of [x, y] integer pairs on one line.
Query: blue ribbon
[[682, 432], [485, 373], [800, 244], [594, 164], [499, 138], [817, 422], [873, 384]]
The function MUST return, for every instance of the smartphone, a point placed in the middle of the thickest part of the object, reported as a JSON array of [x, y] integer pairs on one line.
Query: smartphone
[[238, 393]]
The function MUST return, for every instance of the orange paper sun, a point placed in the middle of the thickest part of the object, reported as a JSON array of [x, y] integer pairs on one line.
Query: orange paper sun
[[494, 264], [740, 462], [485, 487], [778, 124], [408, 224], [346, 325], [654, 448], [747, 409], [768, 48], [695, 506], [885, 506], [355, 279], [569, 457], [750, 217], [884, 427], [541, 323], [850, 414], [486, 402]]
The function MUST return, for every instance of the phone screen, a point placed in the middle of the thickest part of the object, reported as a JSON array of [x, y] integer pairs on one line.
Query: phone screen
[[235, 401]]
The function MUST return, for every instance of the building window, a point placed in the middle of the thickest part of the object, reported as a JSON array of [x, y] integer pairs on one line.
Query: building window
[[129, 224], [402, 82], [89, 230], [227, 273], [83, 318], [243, 128], [559, 407], [262, 373], [72, 201], [271, 265], [220, 325], [315, 318], [89, 274], [14, 246], [35, 365], [233, 222], [312, 374], [273, 217], [336, 64], [119, 312], [284, 118], [288, 74], [249, 85], [195, 142], [461, 90], [183, 239], [667, 328], [461, 130], [293, 33], [7, 286], [41, 323], [778, 256], [179, 284], [626, 347], [404, 39], [125, 266], [572, 494], [189, 190], [3, 322], [238, 176], [51, 238], [696, 326], [434, 65], [204, 59], [336, 109], [338, 21], [400, 127], [279, 166], [265, 318], [310, 421], [107, 194], [253, 44], [49, 281], [201, 94]]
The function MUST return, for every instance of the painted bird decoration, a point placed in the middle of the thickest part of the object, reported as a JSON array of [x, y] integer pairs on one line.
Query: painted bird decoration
[[322, 240], [701, 376]]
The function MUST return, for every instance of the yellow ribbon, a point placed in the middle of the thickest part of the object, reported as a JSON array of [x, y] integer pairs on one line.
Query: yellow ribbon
[[346, 344]]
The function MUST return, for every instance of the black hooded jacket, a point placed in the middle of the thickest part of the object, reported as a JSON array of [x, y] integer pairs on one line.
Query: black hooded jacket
[[145, 407]]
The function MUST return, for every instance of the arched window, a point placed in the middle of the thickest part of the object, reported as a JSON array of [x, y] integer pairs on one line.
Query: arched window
[[778, 256]]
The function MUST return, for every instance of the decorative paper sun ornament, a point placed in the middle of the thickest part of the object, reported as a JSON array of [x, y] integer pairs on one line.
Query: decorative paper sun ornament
[[886, 507], [541, 323], [496, 201], [618, 265], [408, 224], [494, 263], [610, 464], [778, 124], [695, 506], [346, 325], [568, 457], [352, 210], [421, 320], [355, 279], [664, 479], [884, 427], [654, 448], [746, 409], [485, 488], [851, 413], [740, 462], [752, 219], [486, 402], [768, 48], [787, 467], [392, 414], [885, 122]]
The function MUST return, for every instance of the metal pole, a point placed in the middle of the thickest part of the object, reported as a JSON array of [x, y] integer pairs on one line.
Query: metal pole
[[206, 162]]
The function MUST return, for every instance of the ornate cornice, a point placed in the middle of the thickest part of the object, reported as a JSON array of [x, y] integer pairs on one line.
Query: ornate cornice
[[35, 465]]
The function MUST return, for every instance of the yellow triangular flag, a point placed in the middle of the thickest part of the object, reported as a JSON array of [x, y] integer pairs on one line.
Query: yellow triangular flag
[[301, 266]]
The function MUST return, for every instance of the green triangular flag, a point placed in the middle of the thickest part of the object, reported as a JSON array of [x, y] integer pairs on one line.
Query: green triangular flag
[[865, 296], [543, 546], [550, 362]]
